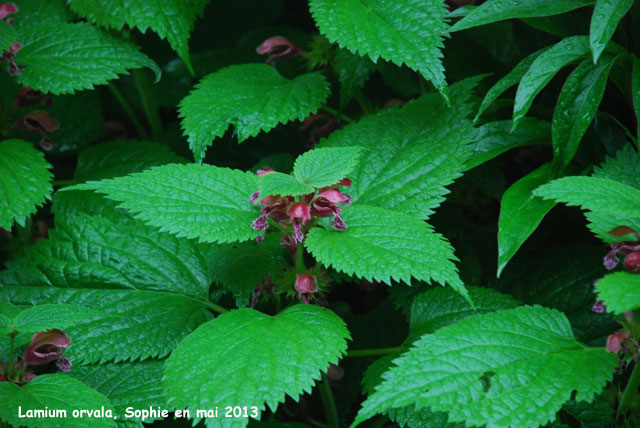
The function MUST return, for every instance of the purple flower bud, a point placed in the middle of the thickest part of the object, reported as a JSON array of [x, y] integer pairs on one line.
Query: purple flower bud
[[261, 222], [259, 238], [599, 307], [298, 235], [254, 197], [632, 262], [611, 260], [306, 285], [338, 223], [7, 9], [615, 341], [47, 346]]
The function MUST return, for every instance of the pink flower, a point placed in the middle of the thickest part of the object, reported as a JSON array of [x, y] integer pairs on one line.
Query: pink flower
[[306, 285], [47, 346], [278, 47], [632, 262], [615, 342], [299, 214], [325, 205], [7, 9]]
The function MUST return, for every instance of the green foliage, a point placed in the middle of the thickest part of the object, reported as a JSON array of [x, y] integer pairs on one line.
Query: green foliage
[[293, 348], [635, 89], [606, 16], [404, 31], [533, 353], [32, 13], [45, 317], [25, 181], [353, 71], [252, 98], [7, 35], [620, 292], [276, 183], [326, 166]]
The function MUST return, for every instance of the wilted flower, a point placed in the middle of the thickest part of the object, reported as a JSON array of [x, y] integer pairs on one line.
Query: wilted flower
[[47, 346], [39, 122], [306, 285], [278, 47]]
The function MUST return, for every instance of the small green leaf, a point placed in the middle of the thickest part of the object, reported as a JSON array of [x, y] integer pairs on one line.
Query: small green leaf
[[247, 358], [543, 69], [576, 108], [7, 35], [326, 166], [520, 213], [276, 183], [45, 317], [252, 98], [62, 58], [595, 194], [491, 369], [635, 89], [53, 392], [403, 31], [25, 181], [604, 21], [620, 292], [353, 71], [499, 10]]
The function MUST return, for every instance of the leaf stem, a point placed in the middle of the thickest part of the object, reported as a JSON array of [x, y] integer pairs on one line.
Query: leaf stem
[[215, 307], [630, 392], [336, 113], [375, 352], [329, 404], [363, 102], [142, 133], [148, 102]]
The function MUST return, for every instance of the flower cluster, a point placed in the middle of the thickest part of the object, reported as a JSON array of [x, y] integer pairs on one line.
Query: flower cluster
[[7, 9]]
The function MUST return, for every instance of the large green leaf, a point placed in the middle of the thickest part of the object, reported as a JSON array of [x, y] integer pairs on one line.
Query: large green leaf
[[247, 358], [25, 181], [62, 58], [192, 201], [8, 35], [276, 183], [53, 392], [520, 213], [606, 16], [171, 19], [620, 291], [403, 31], [326, 166], [543, 69], [252, 98], [32, 13], [514, 367], [576, 108], [410, 153], [635, 89], [45, 317], [499, 10]]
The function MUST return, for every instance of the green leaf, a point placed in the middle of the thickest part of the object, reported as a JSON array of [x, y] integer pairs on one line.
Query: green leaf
[[635, 89], [595, 194], [606, 16], [216, 365], [53, 391], [491, 369], [620, 292], [45, 317], [276, 183], [385, 245], [410, 153], [326, 166], [576, 108], [192, 201], [62, 58], [520, 213], [404, 31], [543, 69], [494, 138], [32, 13], [252, 98], [499, 10], [7, 35], [171, 19], [25, 181], [353, 71]]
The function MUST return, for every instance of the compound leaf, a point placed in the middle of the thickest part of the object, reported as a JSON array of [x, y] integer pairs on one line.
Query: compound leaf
[[620, 292], [604, 21], [326, 166]]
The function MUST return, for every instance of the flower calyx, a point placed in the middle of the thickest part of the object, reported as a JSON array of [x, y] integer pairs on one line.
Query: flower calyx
[[306, 285]]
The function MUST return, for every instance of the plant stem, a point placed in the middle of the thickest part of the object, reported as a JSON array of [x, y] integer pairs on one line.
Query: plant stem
[[336, 113], [148, 102], [300, 268], [363, 102], [377, 351], [142, 133], [630, 392], [216, 308], [329, 403]]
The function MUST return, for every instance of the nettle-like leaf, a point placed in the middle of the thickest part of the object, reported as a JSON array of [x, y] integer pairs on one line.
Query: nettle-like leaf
[[32, 13], [53, 391], [542, 70], [62, 58], [620, 291], [595, 194], [576, 108], [171, 19], [404, 31], [326, 166], [520, 213], [247, 358], [635, 89], [25, 181], [8, 35], [252, 98], [45, 317], [606, 16], [514, 367], [353, 71], [410, 153], [276, 183], [192, 201], [385, 245], [499, 10]]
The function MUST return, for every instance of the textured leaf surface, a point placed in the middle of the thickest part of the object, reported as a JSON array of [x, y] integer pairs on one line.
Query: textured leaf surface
[[635, 89], [499, 10], [620, 292], [509, 368], [171, 19], [293, 348], [25, 181], [403, 31], [32, 13], [45, 317], [410, 153], [192, 201], [252, 98], [596, 194], [276, 183], [543, 69], [384, 245], [62, 58], [577, 105], [52, 391], [7, 35], [520, 213], [606, 16], [353, 71], [326, 166]]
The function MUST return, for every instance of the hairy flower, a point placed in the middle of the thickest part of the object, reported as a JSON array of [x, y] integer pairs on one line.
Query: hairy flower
[[47, 346], [299, 214], [306, 285]]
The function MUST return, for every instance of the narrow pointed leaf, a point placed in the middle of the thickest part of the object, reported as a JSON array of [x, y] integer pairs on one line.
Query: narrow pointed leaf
[[604, 21], [326, 166], [620, 292]]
